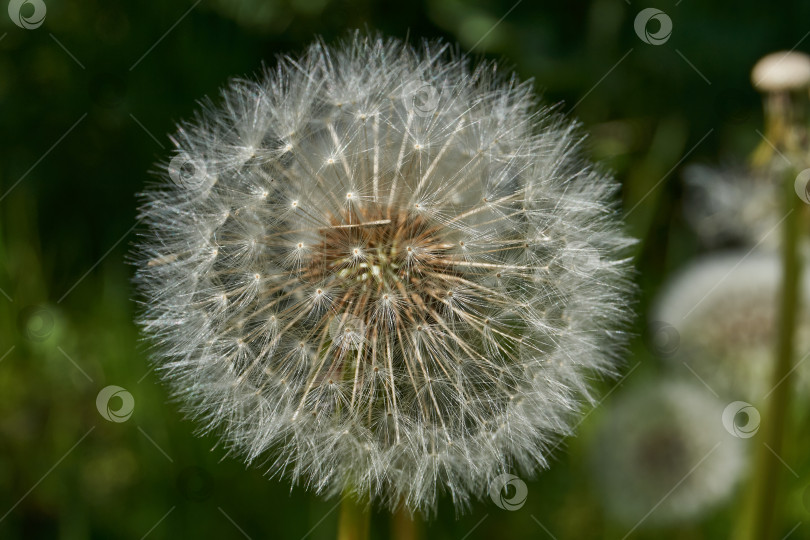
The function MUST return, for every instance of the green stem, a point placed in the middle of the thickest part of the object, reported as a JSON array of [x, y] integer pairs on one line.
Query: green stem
[[354, 521], [404, 526], [767, 467]]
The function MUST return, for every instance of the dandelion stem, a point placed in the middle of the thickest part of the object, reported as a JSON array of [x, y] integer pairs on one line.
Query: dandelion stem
[[767, 467], [354, 520], [404, 526]]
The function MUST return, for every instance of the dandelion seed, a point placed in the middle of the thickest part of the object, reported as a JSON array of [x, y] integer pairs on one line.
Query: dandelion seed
[[377, 351]]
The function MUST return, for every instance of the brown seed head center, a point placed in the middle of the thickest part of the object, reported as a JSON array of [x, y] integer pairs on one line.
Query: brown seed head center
[[382, 255]]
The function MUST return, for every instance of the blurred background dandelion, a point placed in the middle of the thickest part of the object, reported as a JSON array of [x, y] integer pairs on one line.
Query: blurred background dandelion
[[91, 445]]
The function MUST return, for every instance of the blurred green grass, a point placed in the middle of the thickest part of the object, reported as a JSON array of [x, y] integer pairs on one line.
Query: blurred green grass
[[68, 208]]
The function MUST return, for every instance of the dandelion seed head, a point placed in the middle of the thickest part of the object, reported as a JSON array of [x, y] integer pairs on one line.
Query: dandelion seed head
[[732, 205], [418, 325], [782, 72], [647, 447], [724, 308]]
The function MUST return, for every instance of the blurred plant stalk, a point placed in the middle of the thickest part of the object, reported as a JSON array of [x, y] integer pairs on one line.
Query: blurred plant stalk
[[354, 520], [404, 526], [784, 79]]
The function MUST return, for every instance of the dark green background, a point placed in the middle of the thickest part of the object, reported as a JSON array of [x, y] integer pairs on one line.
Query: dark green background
[[67, 214]]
